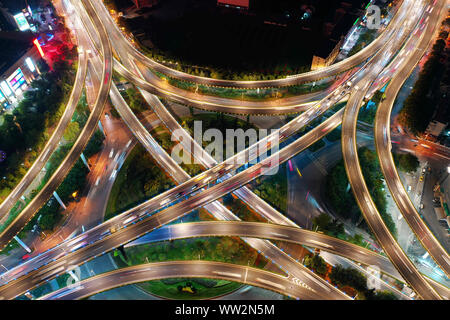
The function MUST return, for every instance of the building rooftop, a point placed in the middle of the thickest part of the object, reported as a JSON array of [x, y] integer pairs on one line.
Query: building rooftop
[[442, 113], [236, 3], [338, 30], [16, 6], [14, 45]]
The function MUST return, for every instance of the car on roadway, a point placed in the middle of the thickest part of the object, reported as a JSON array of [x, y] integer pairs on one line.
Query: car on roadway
[[26, 257]]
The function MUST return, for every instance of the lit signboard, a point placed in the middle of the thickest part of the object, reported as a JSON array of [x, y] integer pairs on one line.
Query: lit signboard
[[17, 81], [30, 64], [5, 88], [38, 46], [21, 22]]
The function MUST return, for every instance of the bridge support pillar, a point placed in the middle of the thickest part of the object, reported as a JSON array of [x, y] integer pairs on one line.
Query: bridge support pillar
[[83, 158], [100, 126], [22, 244], [73, 275], [59, 200]]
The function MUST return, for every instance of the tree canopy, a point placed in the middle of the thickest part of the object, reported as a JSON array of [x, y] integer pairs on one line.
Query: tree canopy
[[341, 197]]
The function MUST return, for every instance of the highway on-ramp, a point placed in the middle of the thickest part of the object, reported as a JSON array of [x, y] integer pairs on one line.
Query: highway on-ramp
[[22, 219], [311, 76], [53, 142], [176, 269], [383, 147], [362, 194], [281, 233]]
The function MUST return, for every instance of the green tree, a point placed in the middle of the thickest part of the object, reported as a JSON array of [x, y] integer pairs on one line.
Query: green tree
[[95, 143], [72, 131], [316, 263], [407, 162], [381, 295], [348, 277]]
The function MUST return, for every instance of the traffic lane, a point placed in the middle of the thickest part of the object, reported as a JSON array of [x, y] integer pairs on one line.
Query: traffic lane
[[219, 211], [281, 233], [182, 176], [306, 77], [142, 208], [405, 205], [154, 80], [98, 231], [259, 205], [176, 269], [161, 87], [272, 232], [216, 208], [209, 103], [364, 199], [137, 229]]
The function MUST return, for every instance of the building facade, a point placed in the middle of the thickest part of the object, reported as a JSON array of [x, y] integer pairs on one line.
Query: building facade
[[16, 76], [324, 60]]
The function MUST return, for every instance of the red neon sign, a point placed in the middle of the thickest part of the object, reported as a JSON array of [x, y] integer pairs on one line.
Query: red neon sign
[[38, 46]]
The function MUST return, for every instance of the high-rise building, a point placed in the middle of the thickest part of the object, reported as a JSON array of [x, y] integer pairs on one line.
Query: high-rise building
[[145, 3]]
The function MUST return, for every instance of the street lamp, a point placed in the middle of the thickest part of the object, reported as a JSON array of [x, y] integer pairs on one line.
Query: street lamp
[[448, 172]]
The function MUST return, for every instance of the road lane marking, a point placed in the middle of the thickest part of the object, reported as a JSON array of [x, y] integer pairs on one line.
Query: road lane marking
[[270, 283], [228, 274], [321, 244]]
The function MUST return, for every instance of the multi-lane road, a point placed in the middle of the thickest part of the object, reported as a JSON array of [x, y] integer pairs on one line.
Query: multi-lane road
[[52, 143], [279, 106], [192, 269], [79, 250], [100, 240], [316, 75], [21, 220], [383, 146], [357, 182]]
